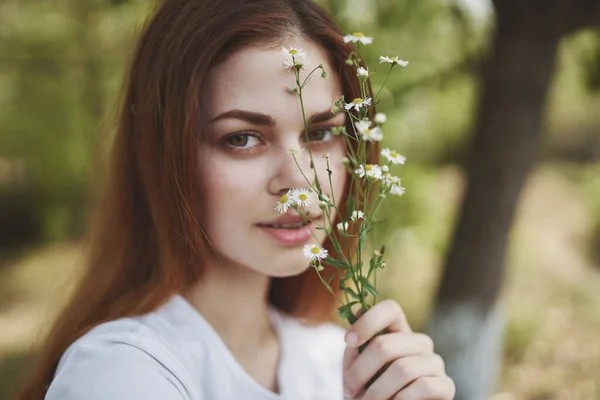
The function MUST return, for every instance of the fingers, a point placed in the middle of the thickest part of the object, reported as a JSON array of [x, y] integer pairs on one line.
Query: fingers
[[402, 373], [350, 355], [429, 388], [381, 350], [384, 315]]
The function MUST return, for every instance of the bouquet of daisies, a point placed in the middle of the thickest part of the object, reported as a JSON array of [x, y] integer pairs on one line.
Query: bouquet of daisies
[[358, 280]]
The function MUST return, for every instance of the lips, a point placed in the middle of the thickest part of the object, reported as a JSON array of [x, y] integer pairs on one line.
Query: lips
[[289, 221], [289, 230]]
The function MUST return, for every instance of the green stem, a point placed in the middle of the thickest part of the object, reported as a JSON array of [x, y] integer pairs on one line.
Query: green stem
[[383, 84]]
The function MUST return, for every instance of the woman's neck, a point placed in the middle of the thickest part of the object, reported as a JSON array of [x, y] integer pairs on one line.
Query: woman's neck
[[234, 300]]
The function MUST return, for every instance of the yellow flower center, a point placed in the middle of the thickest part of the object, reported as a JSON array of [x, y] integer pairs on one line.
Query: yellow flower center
[[293, 51], [394, 58], [369, 167], [284, 199], [394, 154], [302, 197], [358, 100], [315, 250], [358, 34]]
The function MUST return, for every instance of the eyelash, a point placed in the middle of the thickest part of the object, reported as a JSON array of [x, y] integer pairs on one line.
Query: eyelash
[[258, 136]]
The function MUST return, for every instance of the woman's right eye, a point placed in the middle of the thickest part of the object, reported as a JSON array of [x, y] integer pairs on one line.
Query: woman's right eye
[[242, 141]]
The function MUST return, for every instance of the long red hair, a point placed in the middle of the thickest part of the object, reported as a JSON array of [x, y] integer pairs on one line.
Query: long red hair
[[146, 242]]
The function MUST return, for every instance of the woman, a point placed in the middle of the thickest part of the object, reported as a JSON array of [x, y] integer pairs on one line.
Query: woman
[[196, 287]]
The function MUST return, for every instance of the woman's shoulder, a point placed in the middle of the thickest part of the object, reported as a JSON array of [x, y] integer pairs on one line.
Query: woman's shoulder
[[123, 357]]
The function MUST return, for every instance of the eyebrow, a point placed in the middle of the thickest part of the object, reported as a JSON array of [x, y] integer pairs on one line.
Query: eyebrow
[[264, 119]]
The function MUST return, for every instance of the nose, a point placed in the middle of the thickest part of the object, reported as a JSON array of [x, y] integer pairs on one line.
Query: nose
[[288, 173]]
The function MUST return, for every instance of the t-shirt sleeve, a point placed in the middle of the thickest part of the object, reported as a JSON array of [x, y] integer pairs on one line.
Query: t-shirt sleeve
[[108, 370]]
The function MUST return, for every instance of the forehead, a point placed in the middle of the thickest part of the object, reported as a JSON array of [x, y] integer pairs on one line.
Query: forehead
[[255, 79]]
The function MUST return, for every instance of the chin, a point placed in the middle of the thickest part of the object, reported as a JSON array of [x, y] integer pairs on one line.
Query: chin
[[292, 270]]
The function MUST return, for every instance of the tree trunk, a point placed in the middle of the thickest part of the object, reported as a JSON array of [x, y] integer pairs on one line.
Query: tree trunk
[[466, 323]]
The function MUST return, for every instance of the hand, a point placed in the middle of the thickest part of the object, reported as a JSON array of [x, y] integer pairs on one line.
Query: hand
[[411, 370]]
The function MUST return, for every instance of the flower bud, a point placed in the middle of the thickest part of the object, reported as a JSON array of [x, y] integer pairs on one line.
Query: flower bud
[[380, 118], [362, 73], [336, 130]]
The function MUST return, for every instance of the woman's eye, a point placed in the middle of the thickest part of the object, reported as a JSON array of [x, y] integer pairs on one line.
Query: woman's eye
[[320, 135], [242, 141]]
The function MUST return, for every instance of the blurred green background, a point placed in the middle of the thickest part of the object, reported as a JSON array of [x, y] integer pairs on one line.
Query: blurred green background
[[61, 67]]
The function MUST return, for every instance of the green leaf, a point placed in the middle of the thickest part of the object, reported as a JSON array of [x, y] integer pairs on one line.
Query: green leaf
[[345, 311], [330, 279], [336, 246], [362, 240], [352, 293], [368, 287], [337, 263], [349, 206]]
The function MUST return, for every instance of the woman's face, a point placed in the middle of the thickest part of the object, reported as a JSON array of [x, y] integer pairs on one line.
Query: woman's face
[[245, 164]]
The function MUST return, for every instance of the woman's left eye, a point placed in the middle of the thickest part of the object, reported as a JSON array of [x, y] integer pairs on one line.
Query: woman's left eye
[[320, 135]]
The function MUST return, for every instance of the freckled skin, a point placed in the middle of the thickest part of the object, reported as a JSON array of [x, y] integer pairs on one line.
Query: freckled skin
[[244, 177]]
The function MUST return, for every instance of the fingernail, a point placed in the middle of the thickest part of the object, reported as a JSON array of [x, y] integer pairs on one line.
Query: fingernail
[[351, 338], [348, 392]]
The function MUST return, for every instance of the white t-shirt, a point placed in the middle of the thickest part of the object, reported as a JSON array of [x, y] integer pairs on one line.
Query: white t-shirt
[[174, 354]]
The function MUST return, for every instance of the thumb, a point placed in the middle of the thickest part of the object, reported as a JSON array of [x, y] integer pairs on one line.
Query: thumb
[[350, 354]]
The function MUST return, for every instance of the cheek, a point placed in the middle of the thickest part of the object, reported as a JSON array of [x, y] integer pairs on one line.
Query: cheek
[[226, 185]]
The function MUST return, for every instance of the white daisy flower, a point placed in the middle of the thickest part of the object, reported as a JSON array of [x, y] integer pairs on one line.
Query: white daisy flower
[[385, 168], [362, 72], [389, 180], [314, 252], [342, 226], [358, 103], [301, 197], [356, 215], [380, 118], [358, 37], [397, 190], [392, 60], [294, 58], [370, 171], [369, 134], [393, 157], [284, 203]]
